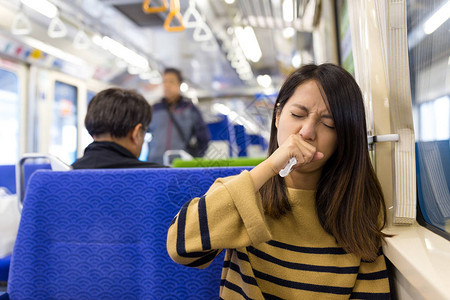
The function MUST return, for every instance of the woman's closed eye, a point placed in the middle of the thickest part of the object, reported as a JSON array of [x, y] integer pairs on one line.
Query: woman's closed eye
[[297, 115], [328, 125]]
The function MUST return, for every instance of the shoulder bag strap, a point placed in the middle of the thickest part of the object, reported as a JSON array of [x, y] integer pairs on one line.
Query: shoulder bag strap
[[177, 126]]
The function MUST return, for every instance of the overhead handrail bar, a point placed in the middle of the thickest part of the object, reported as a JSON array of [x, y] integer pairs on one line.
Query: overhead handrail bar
[[150, 10], [174, 12]]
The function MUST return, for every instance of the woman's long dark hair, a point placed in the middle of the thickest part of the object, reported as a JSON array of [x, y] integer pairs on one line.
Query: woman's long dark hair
[[349, 199]]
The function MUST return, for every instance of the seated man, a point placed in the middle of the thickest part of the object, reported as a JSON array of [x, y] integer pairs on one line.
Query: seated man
[[117, 121]]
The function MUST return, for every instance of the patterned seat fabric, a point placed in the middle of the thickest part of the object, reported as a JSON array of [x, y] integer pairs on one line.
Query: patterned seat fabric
[[101, 234], [8, 181], [4, 267], [8, 175]]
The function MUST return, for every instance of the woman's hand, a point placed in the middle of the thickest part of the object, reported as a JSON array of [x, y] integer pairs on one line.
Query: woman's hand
[[294, 146]]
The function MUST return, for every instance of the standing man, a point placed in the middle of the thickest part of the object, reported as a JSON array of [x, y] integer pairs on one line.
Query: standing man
[[177, 124]]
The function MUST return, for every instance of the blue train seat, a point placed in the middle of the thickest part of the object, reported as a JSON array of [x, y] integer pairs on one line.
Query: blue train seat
[[8, 177], [256, 139], [8, 181], [101, 234], [221, 129], [4, 267], [242, 139], [222, 132], [8, 174]]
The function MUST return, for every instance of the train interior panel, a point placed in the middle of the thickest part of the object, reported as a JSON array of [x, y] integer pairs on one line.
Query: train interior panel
[[234, 56]]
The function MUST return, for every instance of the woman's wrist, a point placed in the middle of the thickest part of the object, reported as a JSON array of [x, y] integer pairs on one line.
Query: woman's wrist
[[261, 174]]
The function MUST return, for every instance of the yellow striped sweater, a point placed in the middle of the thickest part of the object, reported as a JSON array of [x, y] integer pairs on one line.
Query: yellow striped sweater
[[287, 258]]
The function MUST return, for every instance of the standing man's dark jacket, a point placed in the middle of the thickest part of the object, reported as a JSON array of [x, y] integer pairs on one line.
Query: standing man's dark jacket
[[165, 135], [109, 155]]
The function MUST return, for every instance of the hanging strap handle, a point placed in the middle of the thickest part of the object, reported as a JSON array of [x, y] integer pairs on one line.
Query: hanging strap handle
[[174, 12], [149, 10]]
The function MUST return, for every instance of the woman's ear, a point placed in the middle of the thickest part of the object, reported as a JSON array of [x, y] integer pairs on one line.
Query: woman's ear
[[277, 114]]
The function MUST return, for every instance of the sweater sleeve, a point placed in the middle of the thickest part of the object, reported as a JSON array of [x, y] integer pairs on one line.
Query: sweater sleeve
[[372, 281], [229, 215]]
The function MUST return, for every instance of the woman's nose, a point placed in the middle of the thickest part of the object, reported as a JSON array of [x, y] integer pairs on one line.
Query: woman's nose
[[308, 130]]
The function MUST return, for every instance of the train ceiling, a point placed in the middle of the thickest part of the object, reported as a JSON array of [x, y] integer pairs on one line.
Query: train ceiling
[[208, 50]]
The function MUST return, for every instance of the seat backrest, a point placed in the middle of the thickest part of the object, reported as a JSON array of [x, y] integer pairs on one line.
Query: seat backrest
[[8, 174], [8, 177], [101, 234], [8, 181]]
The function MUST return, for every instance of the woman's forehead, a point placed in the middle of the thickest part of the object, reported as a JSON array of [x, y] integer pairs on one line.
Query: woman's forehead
[[308, 95]]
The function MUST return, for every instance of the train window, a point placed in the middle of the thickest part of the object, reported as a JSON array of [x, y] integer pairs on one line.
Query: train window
[[63, 132], [90, 95], [344, 37], [429, 57], [86, 138], [9, 117]]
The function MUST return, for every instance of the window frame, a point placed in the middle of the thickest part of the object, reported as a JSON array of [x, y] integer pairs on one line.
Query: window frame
[[21, 71]]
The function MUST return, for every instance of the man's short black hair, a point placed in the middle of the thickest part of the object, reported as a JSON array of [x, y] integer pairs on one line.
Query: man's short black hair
[[176, 72], [117, 111]]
